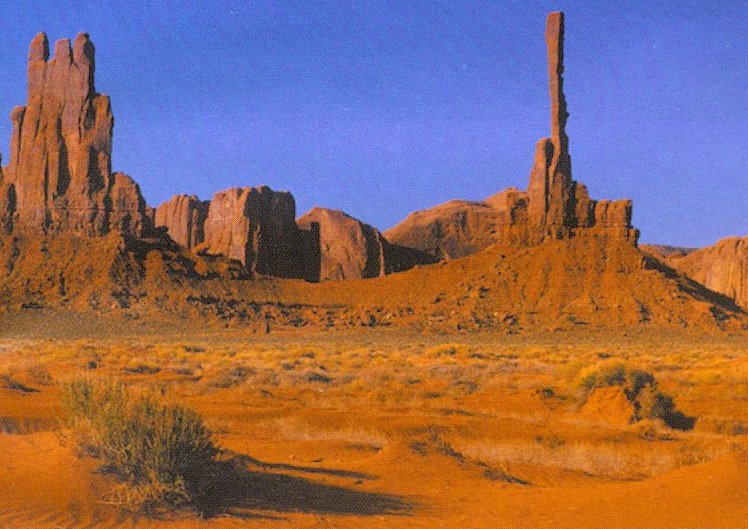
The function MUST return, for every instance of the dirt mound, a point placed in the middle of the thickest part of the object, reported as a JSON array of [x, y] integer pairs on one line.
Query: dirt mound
[[584, 281], [609, 405]]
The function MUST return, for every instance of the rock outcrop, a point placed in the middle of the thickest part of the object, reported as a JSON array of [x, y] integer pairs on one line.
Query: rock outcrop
[[82, 240], [722, 267], [184, 218], [256, 226], [459, 227], [348, 248], [60, 161]]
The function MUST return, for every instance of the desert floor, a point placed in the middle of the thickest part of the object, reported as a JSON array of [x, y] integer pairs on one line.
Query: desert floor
[[390, 429]]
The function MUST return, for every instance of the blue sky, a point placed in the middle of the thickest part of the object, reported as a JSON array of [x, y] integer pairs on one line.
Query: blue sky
[[381, 108]]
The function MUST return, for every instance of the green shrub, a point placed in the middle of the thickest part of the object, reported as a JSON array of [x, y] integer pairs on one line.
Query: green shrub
[[159, 453]]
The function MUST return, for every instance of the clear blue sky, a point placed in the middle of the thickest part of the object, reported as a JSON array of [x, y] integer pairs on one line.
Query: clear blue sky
[[380, 108]]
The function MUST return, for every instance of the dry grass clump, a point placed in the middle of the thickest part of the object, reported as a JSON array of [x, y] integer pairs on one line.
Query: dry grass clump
[[232, 376], [603, 460], [159, 453]]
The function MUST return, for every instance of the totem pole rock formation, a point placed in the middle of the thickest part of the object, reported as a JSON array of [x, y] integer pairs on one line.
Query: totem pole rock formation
[[59, 178], [559, 206], [184, 217], [349, 249], [551, 186], [554, 206]]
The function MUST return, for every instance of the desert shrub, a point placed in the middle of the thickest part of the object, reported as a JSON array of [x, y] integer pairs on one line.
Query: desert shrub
[[141, 368], [158, 453], [602, 376], [38, 374], [232, 376], [448, 350], [640, 388]]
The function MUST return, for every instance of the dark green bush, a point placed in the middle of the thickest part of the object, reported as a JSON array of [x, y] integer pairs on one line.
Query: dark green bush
[[159, 453]]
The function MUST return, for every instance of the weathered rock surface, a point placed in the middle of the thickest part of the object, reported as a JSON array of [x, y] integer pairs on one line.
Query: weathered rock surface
[[184, 217], [454, 229], [61, 146], [348, 248], [722, 267], [256, 226], [458, 228]]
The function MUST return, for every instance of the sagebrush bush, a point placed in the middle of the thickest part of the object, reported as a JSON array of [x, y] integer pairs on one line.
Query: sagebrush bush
[[160, 453], [640, 388]]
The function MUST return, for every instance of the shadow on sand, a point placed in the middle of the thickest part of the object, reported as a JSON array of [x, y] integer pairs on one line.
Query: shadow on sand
[[240, 485]]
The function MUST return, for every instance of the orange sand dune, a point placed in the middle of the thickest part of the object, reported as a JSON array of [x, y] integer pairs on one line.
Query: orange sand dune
[[45, 486]]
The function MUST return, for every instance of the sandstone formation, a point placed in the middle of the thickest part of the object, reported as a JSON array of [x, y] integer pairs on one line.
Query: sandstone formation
[[184, 217], [554, 206], [60, 161], [7, 205], [349, 249], [256, 226], [458, 228], [722, 267], [558, 206]]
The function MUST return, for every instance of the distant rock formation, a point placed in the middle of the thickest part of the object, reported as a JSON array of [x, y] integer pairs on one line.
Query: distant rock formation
[[184, 218], [722, 267], [256, 226], [59, 175], [459, 227], [554, 206], [448, 231], [82, 238], [349, 249], [664, 250]]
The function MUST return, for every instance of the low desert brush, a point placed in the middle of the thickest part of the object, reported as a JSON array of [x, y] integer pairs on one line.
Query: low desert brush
[[159, 453], [640, 388]]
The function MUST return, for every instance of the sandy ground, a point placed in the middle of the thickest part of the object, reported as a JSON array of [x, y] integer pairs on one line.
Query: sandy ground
[[395, 430]]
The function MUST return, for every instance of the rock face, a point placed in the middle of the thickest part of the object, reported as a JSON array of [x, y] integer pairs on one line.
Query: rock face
[[60, 161], [7, 205], [348, 248], [256, 226], [722, 267], [458, 228], [184, 217], [554, 206]]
